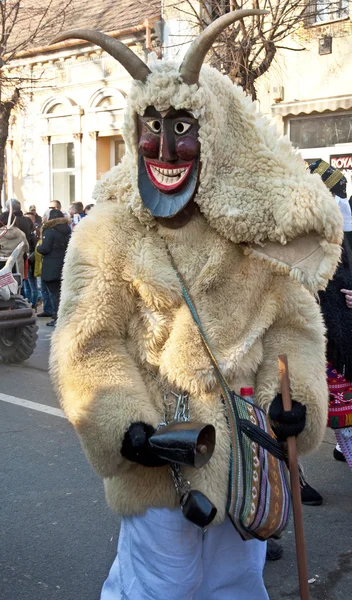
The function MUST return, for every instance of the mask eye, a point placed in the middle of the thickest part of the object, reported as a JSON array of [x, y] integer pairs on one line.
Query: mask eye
[[181, 127], [154, 125]]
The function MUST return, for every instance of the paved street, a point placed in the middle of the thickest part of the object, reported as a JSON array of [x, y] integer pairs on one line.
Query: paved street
[[58, 538]]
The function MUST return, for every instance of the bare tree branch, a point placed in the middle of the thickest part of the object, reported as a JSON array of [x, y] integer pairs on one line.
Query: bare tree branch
[[246, 50]]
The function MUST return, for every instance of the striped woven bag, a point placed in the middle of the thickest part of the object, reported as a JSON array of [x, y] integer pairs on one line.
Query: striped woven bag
[[259, 494]]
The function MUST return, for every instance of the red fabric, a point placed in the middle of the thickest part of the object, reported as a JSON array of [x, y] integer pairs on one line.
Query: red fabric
[[6, 279], [25, 275], [340, 400]]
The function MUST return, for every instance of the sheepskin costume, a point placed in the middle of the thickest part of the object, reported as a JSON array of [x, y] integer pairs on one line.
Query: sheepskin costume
[[124, 333]]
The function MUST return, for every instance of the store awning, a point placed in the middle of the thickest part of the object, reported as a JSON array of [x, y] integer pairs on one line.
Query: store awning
[[309, 106]]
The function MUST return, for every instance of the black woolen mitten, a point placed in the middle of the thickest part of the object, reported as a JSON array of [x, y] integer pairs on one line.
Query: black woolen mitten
[[135, 446], [287, 423]]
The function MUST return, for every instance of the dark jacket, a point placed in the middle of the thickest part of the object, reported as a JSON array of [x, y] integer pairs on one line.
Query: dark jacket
[[337, 316], [56, 234], [23, 223]]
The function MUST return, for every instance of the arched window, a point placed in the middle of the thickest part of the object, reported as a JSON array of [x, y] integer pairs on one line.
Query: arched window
[[108, 98], [107, 102], [57, 109], [59, 106]]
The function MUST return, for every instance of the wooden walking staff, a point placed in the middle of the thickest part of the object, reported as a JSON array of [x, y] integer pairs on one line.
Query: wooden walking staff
[[295, 485]]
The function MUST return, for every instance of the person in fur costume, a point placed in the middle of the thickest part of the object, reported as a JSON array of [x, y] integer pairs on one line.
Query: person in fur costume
[[207, 187]]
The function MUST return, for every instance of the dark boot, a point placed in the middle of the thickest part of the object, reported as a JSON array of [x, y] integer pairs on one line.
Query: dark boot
[[310, 496], [274, 550], [52, 323], [338, 455]]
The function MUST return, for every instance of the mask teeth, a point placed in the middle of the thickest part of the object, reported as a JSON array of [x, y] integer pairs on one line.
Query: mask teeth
[[170, 172], [168, 176]]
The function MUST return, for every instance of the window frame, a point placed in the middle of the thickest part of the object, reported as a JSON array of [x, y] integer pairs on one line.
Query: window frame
[[288, 121], [69, 170], [312, 14], [113, 140]]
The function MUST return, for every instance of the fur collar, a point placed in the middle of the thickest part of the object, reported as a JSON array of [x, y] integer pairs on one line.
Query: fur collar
[[53, 222]]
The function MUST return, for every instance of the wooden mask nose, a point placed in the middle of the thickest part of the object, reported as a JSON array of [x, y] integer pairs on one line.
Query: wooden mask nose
[[167, 151]]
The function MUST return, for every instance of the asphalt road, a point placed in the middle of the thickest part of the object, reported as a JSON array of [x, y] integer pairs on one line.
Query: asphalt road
[[58, 538]]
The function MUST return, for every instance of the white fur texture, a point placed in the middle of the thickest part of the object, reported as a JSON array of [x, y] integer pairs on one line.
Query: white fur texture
[[122, 316]]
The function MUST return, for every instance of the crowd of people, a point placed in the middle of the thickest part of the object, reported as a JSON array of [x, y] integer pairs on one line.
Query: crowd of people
[[45, 240]]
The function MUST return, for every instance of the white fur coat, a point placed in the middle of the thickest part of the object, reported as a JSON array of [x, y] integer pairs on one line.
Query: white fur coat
[[264, 227]]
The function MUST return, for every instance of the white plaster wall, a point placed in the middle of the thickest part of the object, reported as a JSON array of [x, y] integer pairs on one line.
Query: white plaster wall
[[180, 28], [306, 75], [30, 128]]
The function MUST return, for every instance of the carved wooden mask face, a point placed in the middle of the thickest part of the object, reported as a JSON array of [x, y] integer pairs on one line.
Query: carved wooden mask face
[[168, 160]]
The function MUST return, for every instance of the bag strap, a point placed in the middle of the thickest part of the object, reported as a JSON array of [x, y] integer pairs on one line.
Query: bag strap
[[226, 390], [254, 432]]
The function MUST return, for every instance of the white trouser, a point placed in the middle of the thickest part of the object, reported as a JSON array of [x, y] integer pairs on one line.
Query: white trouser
[[161, 556]]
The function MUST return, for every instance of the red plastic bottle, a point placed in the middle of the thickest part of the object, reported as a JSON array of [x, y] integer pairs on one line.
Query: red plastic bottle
[[247, 393]]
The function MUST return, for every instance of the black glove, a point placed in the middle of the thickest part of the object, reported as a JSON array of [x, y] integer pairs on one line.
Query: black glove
[[135, 446], [287, 423]]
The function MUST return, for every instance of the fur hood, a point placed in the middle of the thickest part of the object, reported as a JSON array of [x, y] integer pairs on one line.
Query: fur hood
[[54, 222], [254, 188]]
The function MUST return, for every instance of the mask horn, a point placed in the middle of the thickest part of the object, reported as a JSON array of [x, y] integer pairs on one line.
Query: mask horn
[[195, 55], [128, 59]]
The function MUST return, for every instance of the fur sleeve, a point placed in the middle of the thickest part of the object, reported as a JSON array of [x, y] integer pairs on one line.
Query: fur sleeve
[[299, 333], [97, 381]]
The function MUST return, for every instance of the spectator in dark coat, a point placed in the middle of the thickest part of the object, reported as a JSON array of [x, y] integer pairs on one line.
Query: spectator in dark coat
[[56, 234], [30, 285], [23, 223]]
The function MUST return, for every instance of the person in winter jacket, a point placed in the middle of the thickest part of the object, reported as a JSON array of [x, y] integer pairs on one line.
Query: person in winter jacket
[[38, 261], [55, 237], [9, 240], [30, 285], [37, 218], [209, 189], [22, 222], [35, 227], [48, 306], [336, 304]]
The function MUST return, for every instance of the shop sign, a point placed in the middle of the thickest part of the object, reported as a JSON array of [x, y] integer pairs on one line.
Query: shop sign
[[341, 161]]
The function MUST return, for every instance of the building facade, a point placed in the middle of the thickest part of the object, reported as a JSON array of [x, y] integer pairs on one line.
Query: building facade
[[308, 91], [68, 133]]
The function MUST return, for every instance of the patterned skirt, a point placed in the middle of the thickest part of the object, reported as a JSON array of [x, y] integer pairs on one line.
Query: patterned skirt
[[340, 411]]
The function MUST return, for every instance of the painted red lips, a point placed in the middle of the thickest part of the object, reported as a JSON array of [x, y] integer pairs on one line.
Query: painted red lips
[[167, 177]]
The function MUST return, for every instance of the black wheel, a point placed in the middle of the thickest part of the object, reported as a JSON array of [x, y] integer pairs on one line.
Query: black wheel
[[17, 344]]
